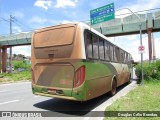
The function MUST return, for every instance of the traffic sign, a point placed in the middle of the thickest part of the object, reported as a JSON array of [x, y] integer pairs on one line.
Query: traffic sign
[[141, 49], [102, 14]]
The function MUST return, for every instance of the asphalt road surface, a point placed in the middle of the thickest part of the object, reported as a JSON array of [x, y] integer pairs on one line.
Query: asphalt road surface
[[19, 97]]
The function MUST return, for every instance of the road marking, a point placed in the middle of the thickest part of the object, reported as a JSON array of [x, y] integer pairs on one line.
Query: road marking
[[9, 102], [36, 96], [3, 91]]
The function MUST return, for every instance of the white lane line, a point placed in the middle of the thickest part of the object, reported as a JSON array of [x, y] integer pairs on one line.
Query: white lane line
[[36, 96], [9, 102], [3, 91]]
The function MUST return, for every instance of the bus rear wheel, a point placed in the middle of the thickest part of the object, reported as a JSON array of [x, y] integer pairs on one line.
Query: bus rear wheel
[[129, 79], [113, 87]]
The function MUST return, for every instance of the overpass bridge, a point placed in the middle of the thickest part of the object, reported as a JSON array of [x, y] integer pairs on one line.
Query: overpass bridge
[[117, 27]]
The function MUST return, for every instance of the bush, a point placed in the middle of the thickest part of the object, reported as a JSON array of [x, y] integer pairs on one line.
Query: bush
[[21, 64], [24, 74], [151, 71]]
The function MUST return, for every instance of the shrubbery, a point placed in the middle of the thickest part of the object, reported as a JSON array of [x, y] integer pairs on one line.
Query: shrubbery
[[151, 70], [21, 64], [22, 71]]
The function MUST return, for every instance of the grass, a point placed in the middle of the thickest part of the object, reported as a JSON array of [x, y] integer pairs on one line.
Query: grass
[[142, 98], [7, 77], [17, 76]]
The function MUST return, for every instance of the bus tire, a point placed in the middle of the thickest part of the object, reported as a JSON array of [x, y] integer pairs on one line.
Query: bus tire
[[129, 79], [113, 87]]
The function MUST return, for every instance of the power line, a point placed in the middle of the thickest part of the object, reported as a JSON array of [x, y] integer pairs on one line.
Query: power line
[[138, 11], [19, 22], [4, 19], [19, 25]]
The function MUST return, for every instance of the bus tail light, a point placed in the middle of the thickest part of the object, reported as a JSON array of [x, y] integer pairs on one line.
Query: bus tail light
[[79, 76]]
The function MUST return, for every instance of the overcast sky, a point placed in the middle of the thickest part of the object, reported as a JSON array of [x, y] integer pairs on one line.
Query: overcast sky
[[34, 14]]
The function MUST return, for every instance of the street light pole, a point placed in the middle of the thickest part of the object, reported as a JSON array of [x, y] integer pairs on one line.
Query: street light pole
[[140, 29], [140, 26]]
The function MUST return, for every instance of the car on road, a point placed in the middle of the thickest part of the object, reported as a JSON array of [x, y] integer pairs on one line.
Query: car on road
[[8, 68]]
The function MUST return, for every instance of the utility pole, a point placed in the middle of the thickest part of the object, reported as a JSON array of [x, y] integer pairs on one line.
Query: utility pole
[[10, 60], [11, 24]]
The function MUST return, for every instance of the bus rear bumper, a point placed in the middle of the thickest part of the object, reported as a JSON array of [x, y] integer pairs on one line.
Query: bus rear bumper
[[68, 94], [56, 96]]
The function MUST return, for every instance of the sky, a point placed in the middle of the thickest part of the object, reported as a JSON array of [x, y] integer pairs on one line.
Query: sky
[[34, 14]]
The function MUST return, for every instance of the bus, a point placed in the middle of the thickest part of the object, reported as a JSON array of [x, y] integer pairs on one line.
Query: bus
[[74, 61]]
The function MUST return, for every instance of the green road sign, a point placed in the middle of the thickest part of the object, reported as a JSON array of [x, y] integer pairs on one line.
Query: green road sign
[[102, 14]]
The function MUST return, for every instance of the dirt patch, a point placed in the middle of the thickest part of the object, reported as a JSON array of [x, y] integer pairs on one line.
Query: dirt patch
[[157, 94]]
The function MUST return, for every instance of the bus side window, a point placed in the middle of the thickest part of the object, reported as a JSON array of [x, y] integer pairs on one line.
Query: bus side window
[[106, 47], [116, 54], [101, 49], [95, 47], [126, 57], [111, 53], [89, 45], [122, 56], [129, 59]]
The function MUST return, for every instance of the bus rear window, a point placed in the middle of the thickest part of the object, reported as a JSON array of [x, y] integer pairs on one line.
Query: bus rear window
[[54, 37]]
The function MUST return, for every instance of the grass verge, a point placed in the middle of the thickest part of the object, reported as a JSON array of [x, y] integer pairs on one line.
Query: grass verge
[[142, 98], [7, 77]]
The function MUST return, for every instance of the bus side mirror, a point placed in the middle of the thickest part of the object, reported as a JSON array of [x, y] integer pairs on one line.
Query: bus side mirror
[[132, 61]]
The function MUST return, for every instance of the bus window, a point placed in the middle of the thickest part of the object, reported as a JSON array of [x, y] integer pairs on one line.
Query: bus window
[[101, 49], [122, 56], [116, 54], [106, 46], [95, 46], [126, 58], [129, 59], [54, 37], [89, 45], [111, 53]]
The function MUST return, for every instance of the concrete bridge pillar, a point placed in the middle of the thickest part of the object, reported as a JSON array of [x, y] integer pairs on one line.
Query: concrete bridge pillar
[[4, 59], [0, 61], [149, 30]]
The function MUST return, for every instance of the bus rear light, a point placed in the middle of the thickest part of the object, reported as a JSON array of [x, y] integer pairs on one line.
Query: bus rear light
[[79, 76]]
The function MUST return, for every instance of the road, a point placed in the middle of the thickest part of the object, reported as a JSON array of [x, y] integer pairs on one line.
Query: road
[[19, 97]]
